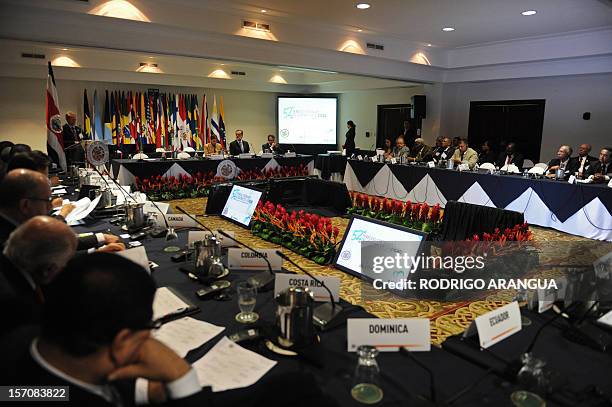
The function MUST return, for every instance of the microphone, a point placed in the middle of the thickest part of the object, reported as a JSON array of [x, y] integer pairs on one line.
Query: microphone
[[170, 233], [432, 387], [195, 220], [324, 313], [261, 281]]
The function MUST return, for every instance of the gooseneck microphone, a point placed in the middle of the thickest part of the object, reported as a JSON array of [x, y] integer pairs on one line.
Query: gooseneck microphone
[[432, 386], [170, 233], [324, 313], [194, 219], [261, 281]]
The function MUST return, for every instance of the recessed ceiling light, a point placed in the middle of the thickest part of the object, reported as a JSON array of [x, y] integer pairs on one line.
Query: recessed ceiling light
[[363, 6], [359, 29], [64, 49], [448, 29], [529, 12], [264, 11], [429, 45]]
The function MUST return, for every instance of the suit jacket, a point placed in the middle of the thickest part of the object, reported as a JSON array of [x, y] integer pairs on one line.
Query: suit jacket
[[488, 157], [422, 153], [596, 168], [235, 147], [589, 161], [276, 150], [470, 157], [570, 167], [517, 159], [70, 137], [29, 372], [7, 225], [444, 153], [19, 302], [398, 152]]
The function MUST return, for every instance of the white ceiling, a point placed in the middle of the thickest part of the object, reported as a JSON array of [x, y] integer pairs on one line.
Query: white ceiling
[[476, 21]]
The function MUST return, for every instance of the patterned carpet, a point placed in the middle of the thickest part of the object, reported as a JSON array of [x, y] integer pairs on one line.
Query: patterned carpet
[[447, 318]]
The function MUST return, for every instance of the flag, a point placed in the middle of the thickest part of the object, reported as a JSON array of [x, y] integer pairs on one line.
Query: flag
[[221, 124], [203, 131], [55, 141], [181, 119], [214, 120], [133, 117], [86, 117], [125, 128], [195, 124], [97, 130], [107, 136], [175, 131]]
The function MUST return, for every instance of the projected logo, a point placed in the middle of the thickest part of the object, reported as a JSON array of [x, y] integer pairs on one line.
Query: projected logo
[[289, 112], [345, 255], [284, 133], [359, 235]]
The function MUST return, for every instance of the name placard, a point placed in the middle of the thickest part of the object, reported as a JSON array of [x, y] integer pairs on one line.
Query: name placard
[[284, 281], [245, 155], [244, 259], [216, 157], [149, 208], [175, 221], [497, 325], [394, 160], [431, 164], [290, 154], [388, 335], [196, 235], [267, 155]]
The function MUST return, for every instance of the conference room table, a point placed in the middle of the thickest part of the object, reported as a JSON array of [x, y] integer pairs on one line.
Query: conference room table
[[580, 209], [126, 170], [403, 381]]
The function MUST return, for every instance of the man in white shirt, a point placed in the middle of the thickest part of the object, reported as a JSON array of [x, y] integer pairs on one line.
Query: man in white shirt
[[584, 160], [95, 338]]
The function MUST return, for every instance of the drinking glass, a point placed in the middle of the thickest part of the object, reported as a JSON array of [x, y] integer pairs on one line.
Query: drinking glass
[[247, 297], [366, 382]]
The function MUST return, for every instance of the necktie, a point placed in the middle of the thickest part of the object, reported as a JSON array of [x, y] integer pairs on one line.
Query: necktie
[[508, 160], [40, 297], [241, 149], [582, 161]]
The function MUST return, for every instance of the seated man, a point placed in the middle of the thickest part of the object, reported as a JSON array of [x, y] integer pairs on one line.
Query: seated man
[[420, 152], [583, 161], [400, 148], [271, 146], [96, 338], [601, 171], [35, 161], [25, 194], [563, 161], [445, 151], [437, 148], [27, 265], [213, 147], [510, 156], [487, 155], [465, 155], [239, 146]]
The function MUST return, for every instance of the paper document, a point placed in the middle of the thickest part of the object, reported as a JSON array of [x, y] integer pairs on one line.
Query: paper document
[[83, 208], [167, 303], [186, 334], [229, 366], [59, 191]]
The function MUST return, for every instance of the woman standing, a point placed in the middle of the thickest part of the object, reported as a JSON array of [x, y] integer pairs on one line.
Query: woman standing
[[349, 143]]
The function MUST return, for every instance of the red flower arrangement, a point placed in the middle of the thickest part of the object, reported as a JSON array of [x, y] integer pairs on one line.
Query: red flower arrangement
[[413, 215], [308, 234], [278, 172]]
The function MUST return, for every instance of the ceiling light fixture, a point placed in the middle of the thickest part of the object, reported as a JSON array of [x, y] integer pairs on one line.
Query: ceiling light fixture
[[359, 29], [529, 12], [64, 49], [363, 6], [148, 67], [219, 74], [264, 11], [429, 45], [448, 29]]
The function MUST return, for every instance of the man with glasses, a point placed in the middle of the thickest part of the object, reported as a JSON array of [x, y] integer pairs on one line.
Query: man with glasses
[[25, 194], [96, 338]]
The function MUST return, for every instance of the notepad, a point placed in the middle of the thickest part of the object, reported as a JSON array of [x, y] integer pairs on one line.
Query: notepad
[[168, 303], [230, 366], [186, 334]]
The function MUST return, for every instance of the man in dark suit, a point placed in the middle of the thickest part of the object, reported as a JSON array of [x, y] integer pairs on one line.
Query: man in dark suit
[[239, 146], [563, 161], [271, 146], [28, 265], [600, 171], [409, 134], [72, 134], [95, 339], [510, 156], [583, 160], [25, 194], [445, 151]]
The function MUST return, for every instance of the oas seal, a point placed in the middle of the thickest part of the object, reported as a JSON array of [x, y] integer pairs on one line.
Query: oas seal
[[227, 169]]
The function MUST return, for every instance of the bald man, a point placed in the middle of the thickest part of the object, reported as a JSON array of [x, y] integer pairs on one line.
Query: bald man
[[25, 194], [72, 134], [584, 160]]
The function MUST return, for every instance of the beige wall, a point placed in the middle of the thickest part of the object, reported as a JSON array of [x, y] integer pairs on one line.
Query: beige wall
[[22, 107], [361, 107]]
